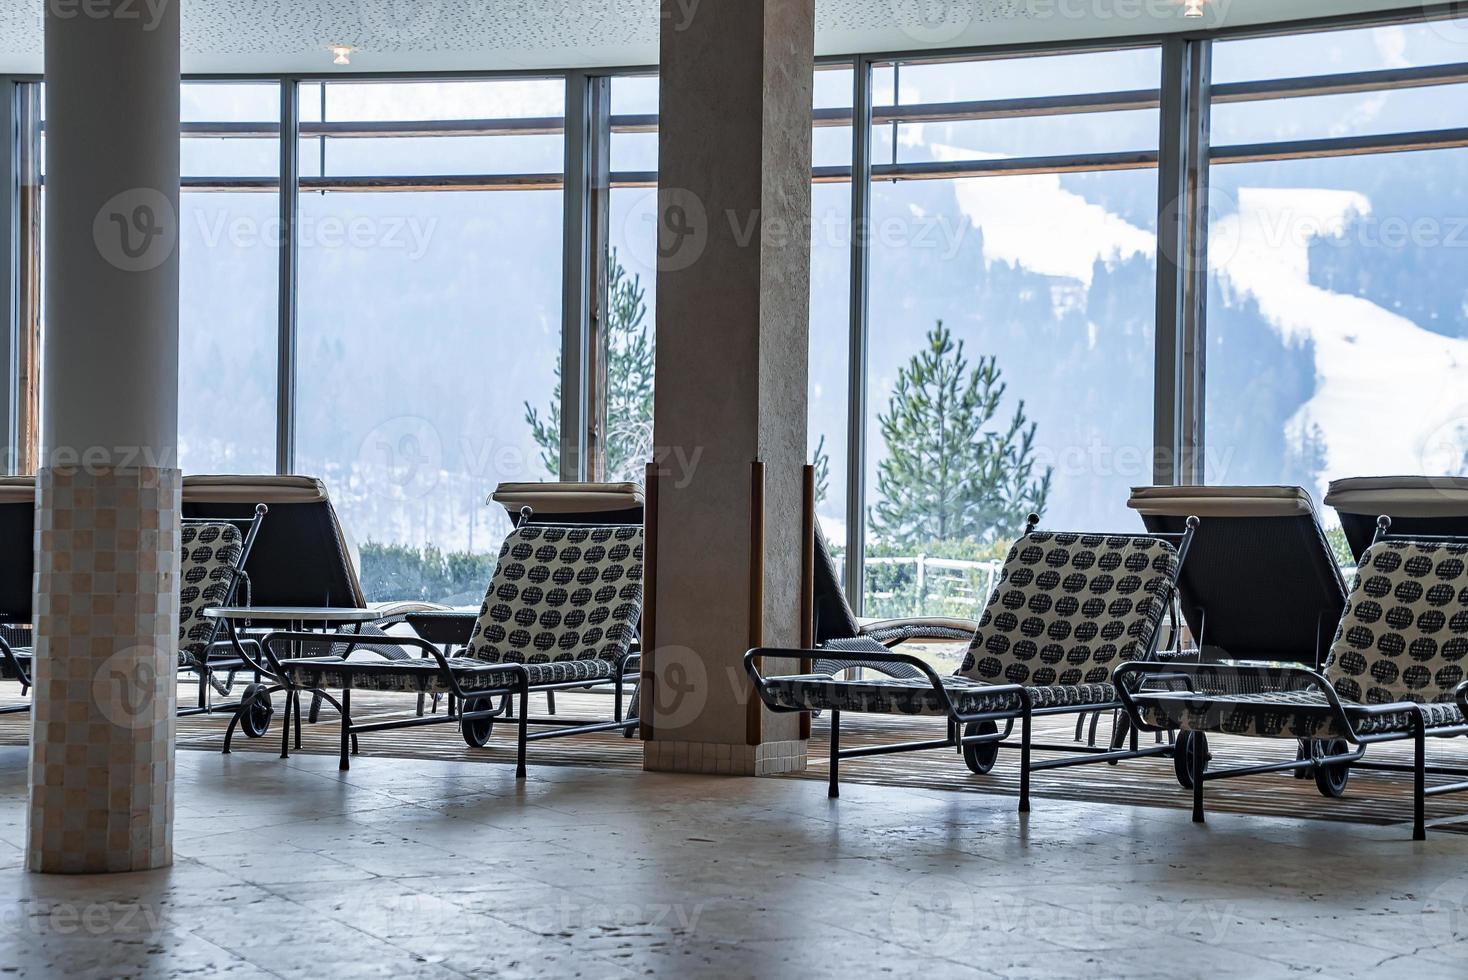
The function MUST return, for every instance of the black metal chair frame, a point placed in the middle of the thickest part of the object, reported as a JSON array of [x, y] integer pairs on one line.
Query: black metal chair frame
[[209, 665], [964, 728], [466, 707], [1320, 754]]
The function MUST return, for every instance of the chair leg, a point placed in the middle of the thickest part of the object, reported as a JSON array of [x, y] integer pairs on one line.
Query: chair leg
[[1200, 766], [1419, 780], [524, 731], [296, 712], [550, 702], [315, 713], [285, 727], [834, 791], [420, 705], [1024, 762], [346, 728]]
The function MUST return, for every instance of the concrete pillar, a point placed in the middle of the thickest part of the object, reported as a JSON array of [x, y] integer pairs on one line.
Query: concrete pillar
[[733, 294], [101, 776]]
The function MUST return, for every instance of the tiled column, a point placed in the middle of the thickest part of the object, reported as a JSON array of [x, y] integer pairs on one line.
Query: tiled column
[[732, 318], [101, 778]]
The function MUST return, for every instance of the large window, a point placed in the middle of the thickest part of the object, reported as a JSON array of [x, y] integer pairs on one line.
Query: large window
[[1011, 334], [632, 245], [1005, 220], [429, 317], [1338, 300], [229, 265]]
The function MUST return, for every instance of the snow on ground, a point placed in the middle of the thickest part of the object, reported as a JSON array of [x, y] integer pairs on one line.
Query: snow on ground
[[1030, 220], [1391, 397]]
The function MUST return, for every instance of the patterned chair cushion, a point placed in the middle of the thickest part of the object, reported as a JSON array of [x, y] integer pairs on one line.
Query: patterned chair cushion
[[1280, 714], [1404, 635], [561, 593], [1070, 607], [423, 676], [210, 557], [908, 696]]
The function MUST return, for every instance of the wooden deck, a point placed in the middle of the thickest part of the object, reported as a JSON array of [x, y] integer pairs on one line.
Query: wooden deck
[[1372, 797]]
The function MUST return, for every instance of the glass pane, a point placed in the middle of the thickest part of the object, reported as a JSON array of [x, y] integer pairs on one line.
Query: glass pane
[[632, 301], [1437, 42], [1325, 116], [429, 338], [1011, 363], [532, 109], [1336, 283], [634, 95], [830, 349], [206, 107], [914, 83], [1099, 132], [229, 262], [227, 316]]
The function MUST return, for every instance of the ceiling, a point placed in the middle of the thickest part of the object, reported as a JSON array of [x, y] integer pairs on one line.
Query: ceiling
[[450, 35]]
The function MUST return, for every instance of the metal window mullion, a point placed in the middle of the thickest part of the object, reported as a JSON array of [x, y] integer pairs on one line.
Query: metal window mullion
[[1195, 298], [1167, 413], [575, 268], [856, 418], [285, 376], [9, 247]]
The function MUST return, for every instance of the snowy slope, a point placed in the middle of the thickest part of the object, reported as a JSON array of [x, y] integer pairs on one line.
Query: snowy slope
[[1391, 397]]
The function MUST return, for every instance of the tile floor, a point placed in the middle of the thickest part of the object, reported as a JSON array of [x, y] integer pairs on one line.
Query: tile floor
[[410, 868]]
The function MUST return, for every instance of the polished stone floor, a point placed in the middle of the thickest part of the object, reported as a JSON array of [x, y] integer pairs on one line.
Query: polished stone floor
[[410, 868]]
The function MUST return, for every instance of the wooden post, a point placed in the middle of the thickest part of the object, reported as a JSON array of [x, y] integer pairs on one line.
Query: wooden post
[[647, 689], [754, 719]]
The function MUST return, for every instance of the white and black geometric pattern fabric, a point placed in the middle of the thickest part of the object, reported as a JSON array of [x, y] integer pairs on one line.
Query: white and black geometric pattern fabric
[[1303, 713], [1070, 607], [915, 696], [424, 676], [561, 593], [210, 556], [1404, 635]]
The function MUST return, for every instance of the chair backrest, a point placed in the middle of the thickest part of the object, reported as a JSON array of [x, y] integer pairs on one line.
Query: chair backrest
[[1069, 607], [301, 556], [1261, 581], [210, 559], [18, 547], [1418, 506], [572, 503], [834, 618], [1404, 635], [562, 593]]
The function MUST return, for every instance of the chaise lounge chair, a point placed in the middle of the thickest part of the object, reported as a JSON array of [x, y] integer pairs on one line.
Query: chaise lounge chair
[[213, 553], [17, 544], [1067, 608], [560, 613], [1286, 611], [1289, 607], [1417, 505], [1395, 672]]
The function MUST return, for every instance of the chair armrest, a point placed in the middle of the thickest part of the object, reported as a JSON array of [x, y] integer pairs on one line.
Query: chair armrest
[[1462, 695], [890, 632], [927, 671]]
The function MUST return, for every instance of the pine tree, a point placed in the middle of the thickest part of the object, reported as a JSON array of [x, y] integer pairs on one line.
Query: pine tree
[[948, 475], [630, 362], [630, 366]]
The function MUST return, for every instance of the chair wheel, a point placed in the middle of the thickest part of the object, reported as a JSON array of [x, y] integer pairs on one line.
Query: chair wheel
[[476, 731], [1331, 780], [1187, 743], [980, 758], [255, 721]]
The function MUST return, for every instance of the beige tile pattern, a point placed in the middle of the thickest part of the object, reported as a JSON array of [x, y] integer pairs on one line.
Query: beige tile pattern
[[767, 759], [106, 607]]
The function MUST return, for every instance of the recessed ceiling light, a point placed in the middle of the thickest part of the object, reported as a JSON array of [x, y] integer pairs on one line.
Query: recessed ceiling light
[[343, 53], [1192, 8]]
